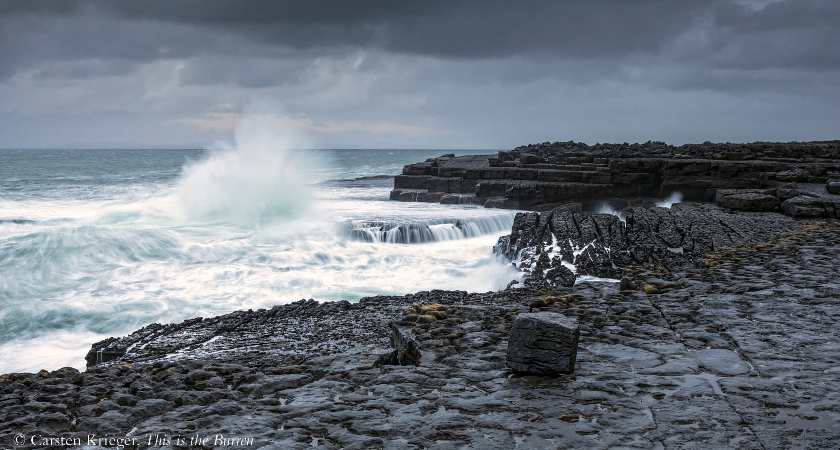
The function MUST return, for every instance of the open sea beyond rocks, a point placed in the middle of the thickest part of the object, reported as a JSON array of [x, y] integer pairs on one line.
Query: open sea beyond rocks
[[98, 243]]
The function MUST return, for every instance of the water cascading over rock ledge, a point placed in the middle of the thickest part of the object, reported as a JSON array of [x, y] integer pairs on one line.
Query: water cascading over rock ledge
[[420, 232]]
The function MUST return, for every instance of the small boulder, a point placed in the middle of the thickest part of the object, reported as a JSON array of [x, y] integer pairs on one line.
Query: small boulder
[[406, 349], [104, 351], [425, 313], [530, 158], [651, 289], [560, 275], [787, 191], [833, 186], [628, 284], [549, 300], [748, 201], [543, 343], [805, 206]]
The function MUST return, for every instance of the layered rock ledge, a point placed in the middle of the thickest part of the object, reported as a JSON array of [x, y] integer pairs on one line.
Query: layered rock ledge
[[542, 175]]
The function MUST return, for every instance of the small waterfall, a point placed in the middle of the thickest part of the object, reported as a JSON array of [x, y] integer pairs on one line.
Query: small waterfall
[[407, 234], [446, 232], [427, 231]]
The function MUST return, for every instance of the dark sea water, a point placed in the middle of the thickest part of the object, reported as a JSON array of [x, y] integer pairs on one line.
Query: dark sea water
[[95, 243]]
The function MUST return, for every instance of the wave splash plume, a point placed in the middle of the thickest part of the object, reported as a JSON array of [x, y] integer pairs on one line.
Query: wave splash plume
[[256, 180]]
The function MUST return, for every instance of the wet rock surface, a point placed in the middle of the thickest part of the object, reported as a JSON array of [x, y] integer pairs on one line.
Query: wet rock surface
[[739, 353]]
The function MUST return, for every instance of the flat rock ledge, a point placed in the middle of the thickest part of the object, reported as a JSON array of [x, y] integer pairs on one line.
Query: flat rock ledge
[[543, 343]]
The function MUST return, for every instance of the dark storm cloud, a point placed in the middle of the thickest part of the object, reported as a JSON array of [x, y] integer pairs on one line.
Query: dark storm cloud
[[476, 28], [786, 34], [443, 28], [599, 69], [793, 33]]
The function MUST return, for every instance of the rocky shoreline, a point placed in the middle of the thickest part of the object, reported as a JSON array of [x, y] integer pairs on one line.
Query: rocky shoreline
[[720, 334]]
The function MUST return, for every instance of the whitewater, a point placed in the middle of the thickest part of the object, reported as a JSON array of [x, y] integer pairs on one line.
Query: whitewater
[[96, 243]]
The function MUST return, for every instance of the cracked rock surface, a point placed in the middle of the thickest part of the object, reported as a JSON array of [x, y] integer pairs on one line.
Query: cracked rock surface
[[739, 353], [602, 244]]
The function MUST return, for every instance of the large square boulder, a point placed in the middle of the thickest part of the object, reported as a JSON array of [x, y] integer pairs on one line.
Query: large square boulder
[[543, 343]]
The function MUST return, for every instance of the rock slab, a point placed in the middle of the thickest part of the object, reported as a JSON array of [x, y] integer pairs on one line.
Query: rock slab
[[747, 200], [543, 343], [811, 207], [406, 350], [832, 186]]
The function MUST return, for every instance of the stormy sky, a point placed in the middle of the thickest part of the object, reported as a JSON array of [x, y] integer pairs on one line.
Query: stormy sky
[[404, 74]]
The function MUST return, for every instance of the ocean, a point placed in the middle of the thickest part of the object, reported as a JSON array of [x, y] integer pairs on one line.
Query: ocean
[[97, 243]]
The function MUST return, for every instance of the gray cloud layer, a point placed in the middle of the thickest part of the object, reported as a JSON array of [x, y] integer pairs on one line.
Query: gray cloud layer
[[435, 73]]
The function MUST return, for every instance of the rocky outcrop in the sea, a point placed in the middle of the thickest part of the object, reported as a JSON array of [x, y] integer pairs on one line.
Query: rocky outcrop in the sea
[[538, 176], [568, 240]]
